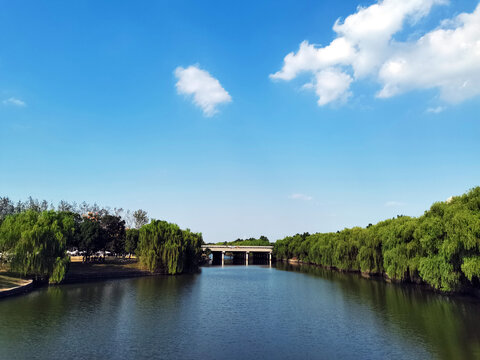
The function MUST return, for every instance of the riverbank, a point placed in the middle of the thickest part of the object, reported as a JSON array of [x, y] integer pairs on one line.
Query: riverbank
[[110, 269], [468, 292], [12, 285]]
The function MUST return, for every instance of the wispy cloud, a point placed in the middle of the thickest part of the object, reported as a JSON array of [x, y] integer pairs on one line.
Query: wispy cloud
[[207, 91], [446, 58], [436, 110], [298, 196], [14, 102], [394, 204]]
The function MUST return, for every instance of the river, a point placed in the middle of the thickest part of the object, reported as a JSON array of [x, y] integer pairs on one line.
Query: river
[[239, 312]]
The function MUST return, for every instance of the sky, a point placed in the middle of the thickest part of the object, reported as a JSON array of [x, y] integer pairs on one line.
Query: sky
[[241, 119]]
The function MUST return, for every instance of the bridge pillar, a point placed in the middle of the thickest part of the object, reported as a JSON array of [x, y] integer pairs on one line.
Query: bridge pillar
[[270, 259], [246, 258], [223, 258]]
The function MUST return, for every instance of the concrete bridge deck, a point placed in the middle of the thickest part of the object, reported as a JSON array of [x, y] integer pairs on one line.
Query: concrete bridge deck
[[222, 249], [233, 248]]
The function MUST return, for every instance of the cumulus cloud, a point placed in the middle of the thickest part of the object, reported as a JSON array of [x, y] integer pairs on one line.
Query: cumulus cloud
[[330, 85], [446, 58], [300, 197], [14, 102], [206, 90]]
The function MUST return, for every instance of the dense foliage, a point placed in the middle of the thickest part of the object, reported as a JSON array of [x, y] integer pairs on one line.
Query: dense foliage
[[34, 243], [131, 241], [34, 238], [164, 247], [262, 241], [441, 248]]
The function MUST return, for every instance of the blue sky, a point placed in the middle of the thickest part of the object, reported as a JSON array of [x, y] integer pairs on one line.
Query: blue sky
[[92, 108]]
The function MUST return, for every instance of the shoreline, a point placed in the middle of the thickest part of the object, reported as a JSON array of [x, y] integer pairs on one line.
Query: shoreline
[[17, 290], [84, 273], [77, 279], [468, 293]]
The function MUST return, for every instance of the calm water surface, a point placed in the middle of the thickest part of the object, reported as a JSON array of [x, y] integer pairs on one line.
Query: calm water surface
[[239, 312]]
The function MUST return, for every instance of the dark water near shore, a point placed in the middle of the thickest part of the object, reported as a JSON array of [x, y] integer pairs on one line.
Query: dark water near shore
[[239, 312]]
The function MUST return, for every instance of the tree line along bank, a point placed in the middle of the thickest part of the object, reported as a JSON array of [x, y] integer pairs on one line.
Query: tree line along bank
[[441, 248], [35, 237]]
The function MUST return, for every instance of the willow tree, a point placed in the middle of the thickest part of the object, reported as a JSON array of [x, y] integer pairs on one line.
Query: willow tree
[[440, 248], [36, 243], [193, 252], [164, 247]]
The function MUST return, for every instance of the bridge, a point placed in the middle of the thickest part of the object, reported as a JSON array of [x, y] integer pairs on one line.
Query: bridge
[[220, 250]]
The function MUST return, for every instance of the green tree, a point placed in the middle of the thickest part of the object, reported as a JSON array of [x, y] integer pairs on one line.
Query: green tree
[[91, 237], [114, 234], [131, 241], [36, 243], [164, 247]]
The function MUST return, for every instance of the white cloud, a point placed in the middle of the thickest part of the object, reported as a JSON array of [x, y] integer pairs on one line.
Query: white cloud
[[15, 102], [330, 85], [436, 110], [394, 204], [300, 197], [309, 58], [447, 58], [206, 90]]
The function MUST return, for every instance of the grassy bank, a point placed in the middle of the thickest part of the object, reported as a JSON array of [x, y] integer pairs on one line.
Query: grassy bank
[[110, 269]]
